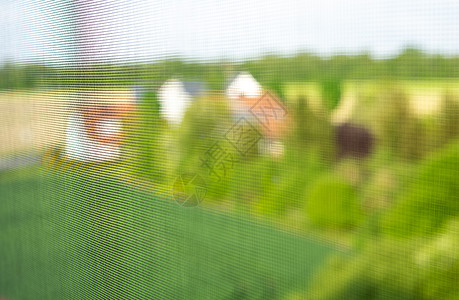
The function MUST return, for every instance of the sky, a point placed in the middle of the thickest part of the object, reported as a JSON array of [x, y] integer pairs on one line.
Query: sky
[[120, 30]]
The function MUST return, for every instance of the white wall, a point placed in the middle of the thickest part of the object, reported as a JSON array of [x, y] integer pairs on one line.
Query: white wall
[[243, 84], [174, 101], [80, 147]]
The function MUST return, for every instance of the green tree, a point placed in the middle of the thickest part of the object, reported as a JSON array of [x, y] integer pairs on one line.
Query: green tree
[[205, 122], [145, 139], [331, 92], [312, 130]]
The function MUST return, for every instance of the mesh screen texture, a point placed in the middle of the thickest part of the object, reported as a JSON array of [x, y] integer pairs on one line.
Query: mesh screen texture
[[238, 150]]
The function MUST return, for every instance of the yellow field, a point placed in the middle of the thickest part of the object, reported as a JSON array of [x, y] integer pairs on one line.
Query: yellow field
[[36, 120], [425, 96]]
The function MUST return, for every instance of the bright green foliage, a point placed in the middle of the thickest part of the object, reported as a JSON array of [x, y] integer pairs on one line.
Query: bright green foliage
[[250, 179], [205, 123], [286, 182], [276, 85], [331, 92], [381, 272], [439, 260], [236, 177], [430, 198], [332, 202], [394, 269], [144, 137]]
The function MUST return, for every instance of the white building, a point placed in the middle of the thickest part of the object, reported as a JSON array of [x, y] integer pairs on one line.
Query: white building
[[175, 96], [240, 88], [247, 99], [243, 84], [94, 127]]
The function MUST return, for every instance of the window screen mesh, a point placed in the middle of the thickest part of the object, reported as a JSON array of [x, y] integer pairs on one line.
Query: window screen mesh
[[229, 150]]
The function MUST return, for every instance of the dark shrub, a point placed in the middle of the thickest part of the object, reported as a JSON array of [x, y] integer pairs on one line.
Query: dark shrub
[[354, 141]]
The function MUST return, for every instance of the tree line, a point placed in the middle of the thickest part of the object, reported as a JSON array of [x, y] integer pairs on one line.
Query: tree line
[[271, 70]]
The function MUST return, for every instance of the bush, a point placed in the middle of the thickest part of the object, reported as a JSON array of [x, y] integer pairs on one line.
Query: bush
[[286, 182], [205, 123], [312, 130], [250, 179], [332, 202], [144, 140], [430, 199], [393, 269]]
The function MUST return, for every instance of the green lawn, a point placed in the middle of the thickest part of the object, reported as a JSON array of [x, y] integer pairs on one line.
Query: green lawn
[[76, 236]]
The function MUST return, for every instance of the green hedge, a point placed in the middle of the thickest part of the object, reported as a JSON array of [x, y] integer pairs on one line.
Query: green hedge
[[144, 143], [332, 202]]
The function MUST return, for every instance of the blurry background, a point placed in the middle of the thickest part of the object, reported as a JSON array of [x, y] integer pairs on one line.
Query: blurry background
[[243, 150]]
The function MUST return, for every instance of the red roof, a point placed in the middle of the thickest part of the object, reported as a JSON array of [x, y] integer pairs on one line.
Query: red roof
[[94, 113], [270, 113]]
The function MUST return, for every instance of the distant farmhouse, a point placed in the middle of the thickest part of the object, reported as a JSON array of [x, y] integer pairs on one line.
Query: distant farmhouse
[[242, 84], [239, 88], [94, 127], [248, 100], [175, 95]]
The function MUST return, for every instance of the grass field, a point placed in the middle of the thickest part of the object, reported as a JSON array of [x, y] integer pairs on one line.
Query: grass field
[[71, 235]]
